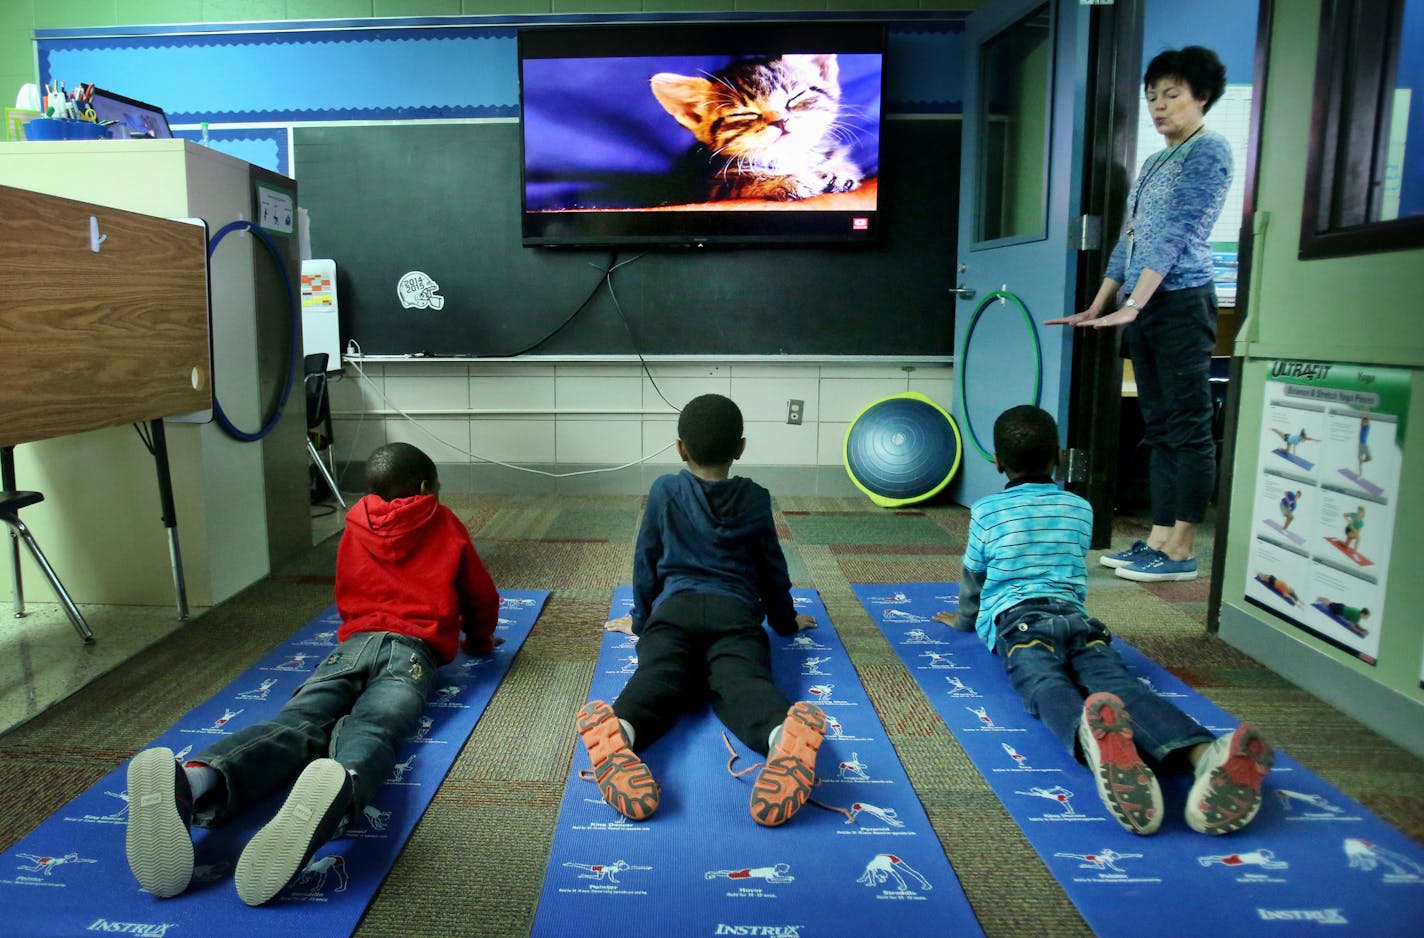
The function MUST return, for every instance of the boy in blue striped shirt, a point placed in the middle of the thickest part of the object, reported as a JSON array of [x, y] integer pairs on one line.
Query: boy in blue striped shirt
[[1024, 588]]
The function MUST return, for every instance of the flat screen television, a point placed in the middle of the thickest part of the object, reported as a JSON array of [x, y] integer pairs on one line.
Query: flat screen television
[[701, 134]]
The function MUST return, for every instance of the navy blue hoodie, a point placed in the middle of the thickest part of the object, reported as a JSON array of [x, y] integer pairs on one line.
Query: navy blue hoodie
[[711, 537]]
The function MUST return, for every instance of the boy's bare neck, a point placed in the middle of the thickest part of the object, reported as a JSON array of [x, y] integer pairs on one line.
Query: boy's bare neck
[[717, 473]]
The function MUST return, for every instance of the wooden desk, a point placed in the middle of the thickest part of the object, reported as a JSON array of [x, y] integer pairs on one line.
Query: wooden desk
[[98, 339], [243, 508], [106, 322]]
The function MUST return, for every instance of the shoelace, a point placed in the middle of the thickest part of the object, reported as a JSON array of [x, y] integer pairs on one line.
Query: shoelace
[[756, 765]]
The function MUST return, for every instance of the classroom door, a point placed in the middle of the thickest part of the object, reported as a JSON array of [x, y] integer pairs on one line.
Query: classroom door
[[1020, 189]]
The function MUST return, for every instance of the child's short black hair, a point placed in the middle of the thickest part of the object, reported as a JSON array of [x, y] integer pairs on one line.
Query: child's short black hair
[[710, 427], [1026, 441], [1198, 66], [397, 470]]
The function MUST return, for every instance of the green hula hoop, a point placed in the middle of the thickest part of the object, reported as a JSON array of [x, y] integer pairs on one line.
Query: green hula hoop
[[963, 366]]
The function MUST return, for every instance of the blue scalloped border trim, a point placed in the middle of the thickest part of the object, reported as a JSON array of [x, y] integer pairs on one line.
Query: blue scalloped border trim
[[448, 68]]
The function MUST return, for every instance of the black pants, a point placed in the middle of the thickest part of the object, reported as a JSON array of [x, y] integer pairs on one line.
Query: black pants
[[700, 647], [1170, 344]]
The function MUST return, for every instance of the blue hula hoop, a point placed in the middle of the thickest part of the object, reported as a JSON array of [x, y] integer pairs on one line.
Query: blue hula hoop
[[271, 422]]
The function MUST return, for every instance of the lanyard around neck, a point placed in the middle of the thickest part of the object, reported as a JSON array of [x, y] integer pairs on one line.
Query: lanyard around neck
[[1156, 167]]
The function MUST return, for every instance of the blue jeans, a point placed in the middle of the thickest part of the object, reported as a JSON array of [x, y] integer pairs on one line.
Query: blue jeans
[[358, 706], [1170, 344], [1056, 656]]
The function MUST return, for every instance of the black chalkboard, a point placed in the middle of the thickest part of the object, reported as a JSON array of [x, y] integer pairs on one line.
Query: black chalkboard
[[444, 199]]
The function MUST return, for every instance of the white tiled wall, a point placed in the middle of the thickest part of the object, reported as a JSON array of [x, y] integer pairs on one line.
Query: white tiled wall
[[580, 414]]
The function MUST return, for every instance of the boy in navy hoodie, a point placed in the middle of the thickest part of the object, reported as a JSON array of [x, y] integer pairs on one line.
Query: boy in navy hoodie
[[706, 569], [408, 581]]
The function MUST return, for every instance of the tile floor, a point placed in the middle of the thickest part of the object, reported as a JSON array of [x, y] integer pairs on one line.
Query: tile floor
[[43, 660]]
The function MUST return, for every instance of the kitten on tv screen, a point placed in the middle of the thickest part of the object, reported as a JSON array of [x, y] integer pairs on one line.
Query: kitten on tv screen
[[692, 135]]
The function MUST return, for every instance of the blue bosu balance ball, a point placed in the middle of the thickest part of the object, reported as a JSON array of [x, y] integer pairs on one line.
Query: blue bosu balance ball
[[902, 449]]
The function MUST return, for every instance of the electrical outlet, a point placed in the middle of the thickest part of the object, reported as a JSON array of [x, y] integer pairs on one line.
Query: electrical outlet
[[794, 410]]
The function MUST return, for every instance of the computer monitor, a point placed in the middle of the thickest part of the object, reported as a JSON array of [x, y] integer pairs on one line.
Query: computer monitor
[[138, 118]]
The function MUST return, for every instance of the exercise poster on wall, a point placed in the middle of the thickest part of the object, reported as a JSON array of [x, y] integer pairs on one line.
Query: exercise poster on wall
[[1331, 447]]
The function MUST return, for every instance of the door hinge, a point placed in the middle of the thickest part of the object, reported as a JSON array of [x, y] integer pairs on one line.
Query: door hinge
[[1074, 463], [1090, 232]]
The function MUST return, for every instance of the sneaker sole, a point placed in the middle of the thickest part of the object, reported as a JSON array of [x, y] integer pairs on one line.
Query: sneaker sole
[[1143, 577], [158, 843], [1108, 560], [274, 855], [1125, 784], [625, 782], [784, 784], [1226, 801]]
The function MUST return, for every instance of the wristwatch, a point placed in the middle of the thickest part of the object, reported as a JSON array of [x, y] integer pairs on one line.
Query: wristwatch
[[1130, 303]]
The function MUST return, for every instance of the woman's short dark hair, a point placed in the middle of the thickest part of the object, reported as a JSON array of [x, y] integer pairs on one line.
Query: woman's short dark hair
[[1198, 66], [710, 426], [397, 470], [1026, 440]]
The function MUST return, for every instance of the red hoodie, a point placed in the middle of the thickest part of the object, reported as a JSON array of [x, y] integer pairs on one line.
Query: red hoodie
[[408, 566]]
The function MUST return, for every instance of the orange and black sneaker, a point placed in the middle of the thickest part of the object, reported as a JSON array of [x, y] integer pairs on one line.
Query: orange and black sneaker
[[623, 780], [785, 782]]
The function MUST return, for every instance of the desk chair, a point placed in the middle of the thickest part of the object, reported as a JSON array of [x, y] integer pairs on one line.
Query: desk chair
[[319, 419], [11, 501]]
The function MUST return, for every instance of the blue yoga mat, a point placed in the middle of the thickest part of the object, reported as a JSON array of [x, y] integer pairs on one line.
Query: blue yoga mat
[[702, 866], [1312, 857], [70, 875]]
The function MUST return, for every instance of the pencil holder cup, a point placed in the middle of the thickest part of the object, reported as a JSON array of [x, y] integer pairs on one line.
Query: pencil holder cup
[[53, 128]]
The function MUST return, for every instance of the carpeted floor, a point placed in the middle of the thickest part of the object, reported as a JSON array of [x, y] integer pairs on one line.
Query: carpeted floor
[[475, 864]]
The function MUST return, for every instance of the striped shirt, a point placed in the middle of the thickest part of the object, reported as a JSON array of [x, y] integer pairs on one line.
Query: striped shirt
[[1171, 209], [1029, 541]]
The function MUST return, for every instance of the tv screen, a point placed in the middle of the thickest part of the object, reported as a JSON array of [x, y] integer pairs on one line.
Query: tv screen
[[701, 134]]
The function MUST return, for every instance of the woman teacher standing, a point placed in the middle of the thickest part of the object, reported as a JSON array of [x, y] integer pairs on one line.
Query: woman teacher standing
[[1159, 285]]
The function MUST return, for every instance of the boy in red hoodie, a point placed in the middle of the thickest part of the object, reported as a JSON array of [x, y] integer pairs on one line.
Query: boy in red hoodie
[[408, 581]]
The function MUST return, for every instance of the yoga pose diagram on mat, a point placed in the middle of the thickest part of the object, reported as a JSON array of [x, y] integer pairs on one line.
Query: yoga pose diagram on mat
[[1354, 524], [1278, 586], [1288, 505], [1105, 860], [1057, 794], [1023, 591], [707, 567], [886, 866], [605, 872], [1368, 856], [779, 873], [1362, 451], [408, 583], [1351, 617], [1306, 804], [1265, 859], [886, 816], [313, 877], [47, 865], [1292, 440]]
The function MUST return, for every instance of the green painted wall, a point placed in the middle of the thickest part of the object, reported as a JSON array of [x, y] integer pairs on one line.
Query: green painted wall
[[19, 18], [1365, 310]]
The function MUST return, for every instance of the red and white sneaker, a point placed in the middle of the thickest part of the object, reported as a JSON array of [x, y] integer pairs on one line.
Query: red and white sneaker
[[1227, 791], [785, 782], [623, 780], [1126, 785]]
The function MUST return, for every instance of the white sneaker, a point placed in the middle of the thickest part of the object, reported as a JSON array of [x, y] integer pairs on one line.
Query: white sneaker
[[1227, 791]]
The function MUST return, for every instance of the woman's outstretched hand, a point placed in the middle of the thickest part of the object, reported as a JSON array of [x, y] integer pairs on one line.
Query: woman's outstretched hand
[[1122, 317], [1084, 318]]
